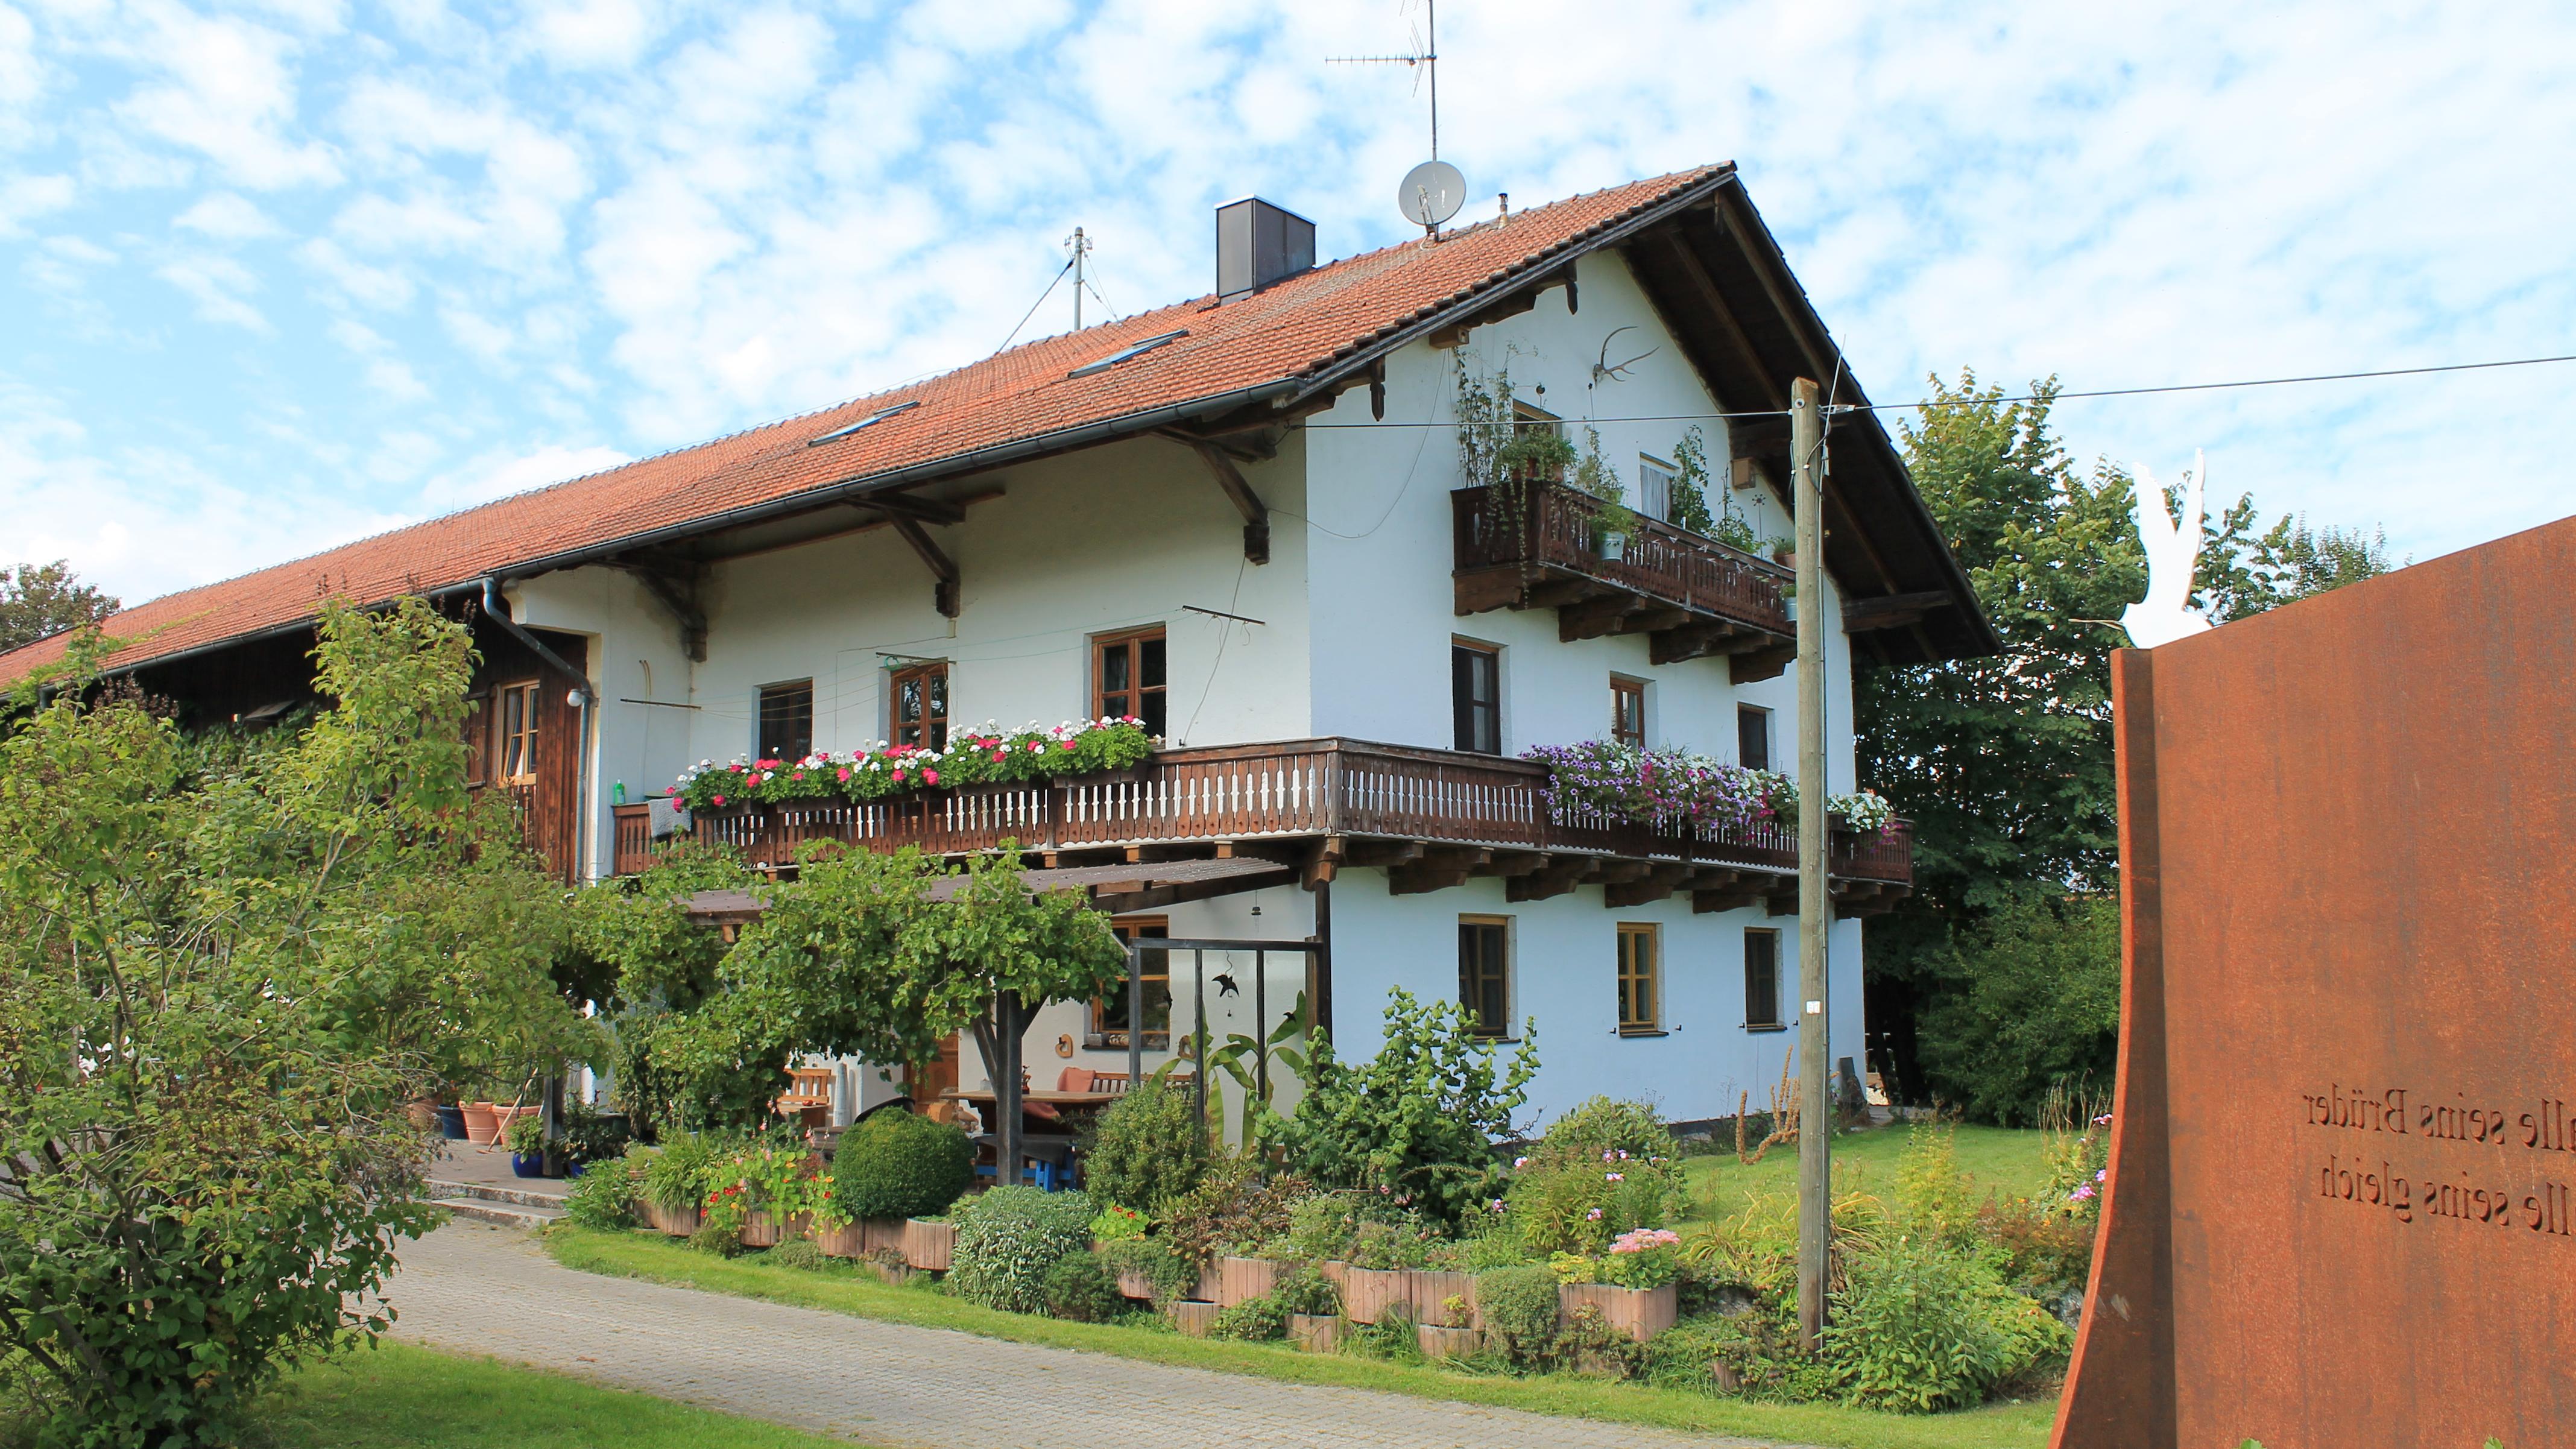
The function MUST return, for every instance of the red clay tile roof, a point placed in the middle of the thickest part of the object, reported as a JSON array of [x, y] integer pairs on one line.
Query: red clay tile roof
[[1292, 330]]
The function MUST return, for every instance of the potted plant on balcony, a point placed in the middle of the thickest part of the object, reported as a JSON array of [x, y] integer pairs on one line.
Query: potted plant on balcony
[[1604, 499]]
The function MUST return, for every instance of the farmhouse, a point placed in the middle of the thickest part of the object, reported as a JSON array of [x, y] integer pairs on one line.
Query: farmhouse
[[1245, 520]]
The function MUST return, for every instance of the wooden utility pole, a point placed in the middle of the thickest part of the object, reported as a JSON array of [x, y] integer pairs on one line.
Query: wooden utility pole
[[1815, 915]]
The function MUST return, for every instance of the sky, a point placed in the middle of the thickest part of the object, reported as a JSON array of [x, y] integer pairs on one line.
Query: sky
[[274, 276]]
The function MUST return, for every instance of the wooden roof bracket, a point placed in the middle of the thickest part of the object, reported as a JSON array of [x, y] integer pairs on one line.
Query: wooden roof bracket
[[1256, 515], [674, 585], [943, 569]]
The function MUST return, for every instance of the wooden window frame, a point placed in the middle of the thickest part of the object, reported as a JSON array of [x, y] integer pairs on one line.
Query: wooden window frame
[[934, 727], [1672, 478], [1098, 1034], [515, 750], [1133, 700], [1772, 937], [1623, 689], [1651, 1021], [1461, 705], [1743, 714], [1469, 992], [760, 720]]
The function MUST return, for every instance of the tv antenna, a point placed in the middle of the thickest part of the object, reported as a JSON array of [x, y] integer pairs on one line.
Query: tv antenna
[[1424, 58]]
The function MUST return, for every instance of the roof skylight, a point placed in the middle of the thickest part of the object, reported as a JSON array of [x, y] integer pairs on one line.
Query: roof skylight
[[871, 420], [1132, 349]]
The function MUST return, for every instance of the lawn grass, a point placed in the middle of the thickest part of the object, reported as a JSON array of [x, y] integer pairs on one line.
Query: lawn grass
[[661, 1260], [1999, 1159], [395, 1396]]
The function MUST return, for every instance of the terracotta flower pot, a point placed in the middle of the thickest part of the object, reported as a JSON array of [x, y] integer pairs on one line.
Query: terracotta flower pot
[[482, 1123]]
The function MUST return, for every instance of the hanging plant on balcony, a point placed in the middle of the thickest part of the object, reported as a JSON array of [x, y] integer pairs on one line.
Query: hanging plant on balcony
[[1610, 780], [1498, 449], [1605, 498], [1866, 813], [980, 756]]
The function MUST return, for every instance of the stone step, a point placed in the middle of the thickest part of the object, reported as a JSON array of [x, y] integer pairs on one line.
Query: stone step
[[508, 1215], [527, 1192]]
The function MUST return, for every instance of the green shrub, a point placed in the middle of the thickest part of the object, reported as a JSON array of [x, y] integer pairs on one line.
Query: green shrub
[[2038, 1005], [1305, 1289], [1610, 1123], [1684, 1356], [718, 1237], [675, 1175], [1391, 1337], [1080, 1290], [802, 1253], [2047, 1251], [1419, 1119], [525, 1136], [1147, 1148], [1519, 1306], [603, 1196], [1932, 1197], [1605, 1169], [1254, 1320], [1234, 1209], [1008, 1239], [1922, 1326], [897, 1165], [1114, 1222], [1151, 1259]]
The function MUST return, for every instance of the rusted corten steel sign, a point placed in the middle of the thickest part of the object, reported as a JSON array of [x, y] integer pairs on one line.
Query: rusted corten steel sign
[[2343, 1195]]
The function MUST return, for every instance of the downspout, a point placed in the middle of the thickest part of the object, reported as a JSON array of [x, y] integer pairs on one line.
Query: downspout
[[496, 609]]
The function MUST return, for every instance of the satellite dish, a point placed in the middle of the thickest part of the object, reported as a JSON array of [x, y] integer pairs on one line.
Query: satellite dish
[[1431, 194]]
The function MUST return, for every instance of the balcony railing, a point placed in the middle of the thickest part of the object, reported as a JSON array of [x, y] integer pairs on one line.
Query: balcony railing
[[1527, 555], [1290, 789]]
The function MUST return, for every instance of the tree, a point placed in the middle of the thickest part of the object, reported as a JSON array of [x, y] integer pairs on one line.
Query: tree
[[227, 971], [2005, 763], [38, 601]]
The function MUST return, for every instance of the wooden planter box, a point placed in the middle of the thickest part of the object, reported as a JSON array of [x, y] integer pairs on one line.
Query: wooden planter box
[[1136, 1285], [1447, 1342], [676, 1222], [875, 1233], [759, 1230], [1209, 1284], [1640, 1313], [1315, 1332], [1333, 1269], [1432, 1292], [928, 1246], [1241, 1279], [1195, 1320], [845, 1241], [1368, 1293]]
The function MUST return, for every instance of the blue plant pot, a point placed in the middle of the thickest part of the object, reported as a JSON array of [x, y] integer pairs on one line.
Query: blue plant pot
[[451, 1123], [574, 1170], [527, 1166]]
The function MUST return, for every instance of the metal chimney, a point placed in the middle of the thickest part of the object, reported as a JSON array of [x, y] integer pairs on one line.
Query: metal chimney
[[1258, 244]]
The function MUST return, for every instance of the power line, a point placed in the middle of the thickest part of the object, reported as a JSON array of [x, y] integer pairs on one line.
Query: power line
[[2021, 397], [1040, 302]]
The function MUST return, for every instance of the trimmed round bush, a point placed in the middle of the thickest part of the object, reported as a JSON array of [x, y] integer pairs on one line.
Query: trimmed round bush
[[1079, 1289], [897, 1165], [1008, 1239], [1519, 1307], [1146, 1149]]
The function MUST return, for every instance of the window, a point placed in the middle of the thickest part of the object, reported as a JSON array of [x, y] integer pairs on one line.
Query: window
[[917, 706], [1655, 488], [1109, 1009], [787, 720], [1484, 973], [1476, 696], [1532, 421], [1132, 349], [1628, 711], [1640, 995], [1752, 737], [519, 733], [1762, 980], [478, 738], [1127, 678]]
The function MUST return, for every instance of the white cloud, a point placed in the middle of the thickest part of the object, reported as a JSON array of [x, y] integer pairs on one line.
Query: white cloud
[[591, 34], [225, 90], [500, 474], [226, 216], [220, 286], [24, 198]]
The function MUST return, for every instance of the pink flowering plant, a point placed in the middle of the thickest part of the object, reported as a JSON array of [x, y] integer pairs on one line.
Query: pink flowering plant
[[1864, 812], [1618, 781], [1643, 1258], [984, 755], [1606, 1169]]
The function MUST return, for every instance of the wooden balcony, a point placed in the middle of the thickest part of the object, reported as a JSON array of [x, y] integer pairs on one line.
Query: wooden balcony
[[1431, 818], [1691, 596]]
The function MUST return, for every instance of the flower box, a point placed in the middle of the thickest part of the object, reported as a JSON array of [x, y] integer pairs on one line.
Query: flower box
[[759, 1230], [1367, 1293], [1210, 1282], [1432, 1292], [1194, 1320], [1135, 1284], [928, 1246], [1640, 1313], [845, 1241], [1333, 1269], [876, 1233], [1241, 1279], [1447, 1342], [677, 1222], [1315, 1332]]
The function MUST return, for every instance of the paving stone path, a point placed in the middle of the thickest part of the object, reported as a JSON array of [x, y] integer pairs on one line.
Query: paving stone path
[[494, 1291]]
